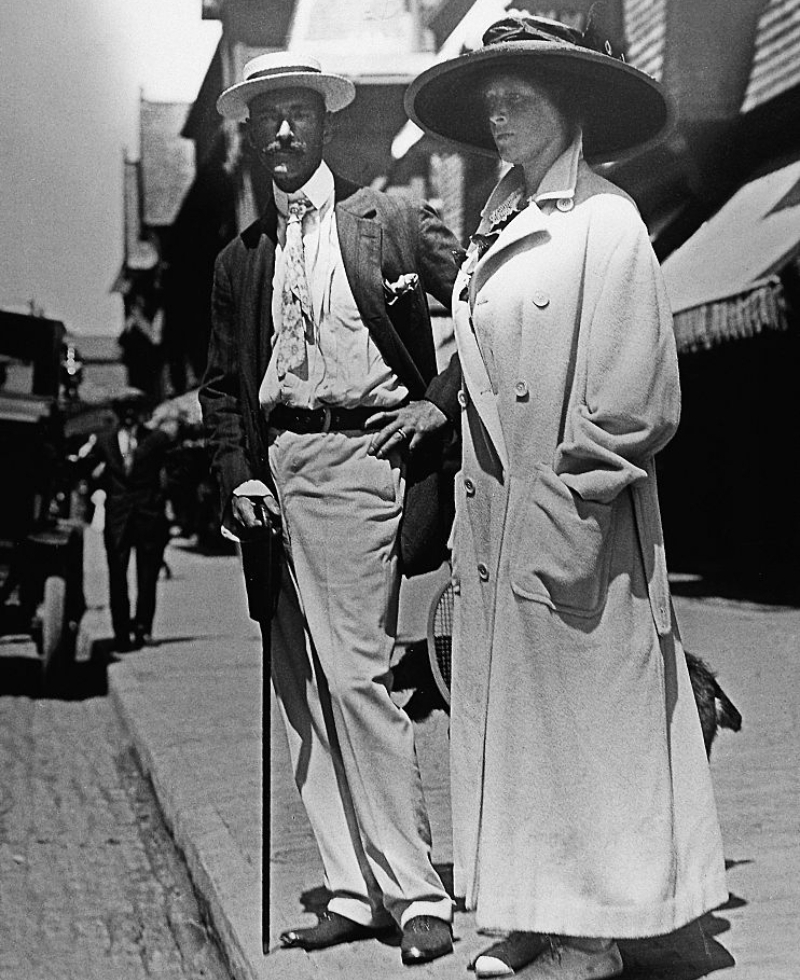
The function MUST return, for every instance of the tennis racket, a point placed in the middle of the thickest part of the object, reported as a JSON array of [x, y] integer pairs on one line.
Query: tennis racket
[[440, 639]]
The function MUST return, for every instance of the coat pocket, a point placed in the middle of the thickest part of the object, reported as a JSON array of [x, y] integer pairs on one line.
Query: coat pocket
[[561, 547]]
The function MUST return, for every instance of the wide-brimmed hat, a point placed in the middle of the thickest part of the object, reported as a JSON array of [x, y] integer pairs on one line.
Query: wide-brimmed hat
[[622, 108], [284, 69]]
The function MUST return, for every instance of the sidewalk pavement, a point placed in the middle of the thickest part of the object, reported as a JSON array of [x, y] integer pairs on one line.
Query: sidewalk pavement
[[191, 706]]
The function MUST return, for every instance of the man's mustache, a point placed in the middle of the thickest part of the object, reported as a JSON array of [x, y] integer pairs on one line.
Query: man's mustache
[[284, 146]]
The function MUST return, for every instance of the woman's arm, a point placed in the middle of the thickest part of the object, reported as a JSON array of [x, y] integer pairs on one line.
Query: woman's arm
[[627, 400]]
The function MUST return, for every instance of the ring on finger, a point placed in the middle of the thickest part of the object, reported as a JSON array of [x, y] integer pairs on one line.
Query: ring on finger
[[403, 434]]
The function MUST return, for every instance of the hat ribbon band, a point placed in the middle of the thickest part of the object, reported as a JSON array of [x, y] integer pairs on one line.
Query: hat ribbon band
[[505, 35], [284, 70]]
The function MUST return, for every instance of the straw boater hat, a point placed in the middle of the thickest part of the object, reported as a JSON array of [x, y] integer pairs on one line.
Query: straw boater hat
[[284, 69], [623, 109], [123, 397]]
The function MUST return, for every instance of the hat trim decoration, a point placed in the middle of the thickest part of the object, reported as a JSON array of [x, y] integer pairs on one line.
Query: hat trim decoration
[[269, 72], [624, 109]]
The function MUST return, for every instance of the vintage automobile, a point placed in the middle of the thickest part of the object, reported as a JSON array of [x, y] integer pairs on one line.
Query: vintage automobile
[[41, 548]]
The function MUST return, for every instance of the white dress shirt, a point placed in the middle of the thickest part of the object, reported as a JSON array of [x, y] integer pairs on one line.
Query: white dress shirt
[[345, 367], [126, 439]]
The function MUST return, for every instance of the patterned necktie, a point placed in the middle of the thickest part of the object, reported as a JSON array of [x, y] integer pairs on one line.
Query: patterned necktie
[[297, 315]]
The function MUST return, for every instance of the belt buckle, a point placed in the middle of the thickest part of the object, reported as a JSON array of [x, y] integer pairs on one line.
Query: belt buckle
[[326, 419]]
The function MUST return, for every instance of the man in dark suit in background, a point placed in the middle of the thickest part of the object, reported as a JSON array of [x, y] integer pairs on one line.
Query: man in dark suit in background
[[320, 398], [129, 461]]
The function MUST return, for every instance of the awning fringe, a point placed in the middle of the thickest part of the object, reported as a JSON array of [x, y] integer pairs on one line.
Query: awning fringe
[[762, 307]]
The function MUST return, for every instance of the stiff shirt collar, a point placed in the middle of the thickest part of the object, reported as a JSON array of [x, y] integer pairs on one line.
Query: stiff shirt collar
[[318, 189], [558, 184]]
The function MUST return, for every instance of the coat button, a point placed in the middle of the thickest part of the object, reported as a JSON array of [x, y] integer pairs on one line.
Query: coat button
[[521, 389], [565, 203], [483, 572], [540, 298], [463, 399], [469, 487]]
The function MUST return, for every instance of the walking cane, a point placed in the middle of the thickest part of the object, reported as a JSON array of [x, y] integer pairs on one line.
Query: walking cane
[[261, 559]]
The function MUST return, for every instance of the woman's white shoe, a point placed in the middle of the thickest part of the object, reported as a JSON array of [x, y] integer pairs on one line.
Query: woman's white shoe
[[514, 952], [564, 961]]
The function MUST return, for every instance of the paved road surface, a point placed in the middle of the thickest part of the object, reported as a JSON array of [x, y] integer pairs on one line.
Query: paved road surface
[[91, 887]]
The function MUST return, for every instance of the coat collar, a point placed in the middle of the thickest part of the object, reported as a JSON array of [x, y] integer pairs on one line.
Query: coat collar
[[476, 381], [559, 182], [558, 185]]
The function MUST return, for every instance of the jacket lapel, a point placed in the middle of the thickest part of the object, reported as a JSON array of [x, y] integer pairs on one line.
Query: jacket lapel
[[263, 271], [361, 241], [528, 223], [476, 377], [114, 452]]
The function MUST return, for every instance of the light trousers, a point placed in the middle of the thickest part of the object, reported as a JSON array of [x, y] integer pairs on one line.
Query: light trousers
[[351, 747]]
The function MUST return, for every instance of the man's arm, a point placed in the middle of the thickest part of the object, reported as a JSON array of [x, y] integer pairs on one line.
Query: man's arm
[[437, 262], [629, 400], [222, 413], [436, 259]]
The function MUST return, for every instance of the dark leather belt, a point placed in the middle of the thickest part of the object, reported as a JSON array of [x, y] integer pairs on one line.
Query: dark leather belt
[[327, 419]]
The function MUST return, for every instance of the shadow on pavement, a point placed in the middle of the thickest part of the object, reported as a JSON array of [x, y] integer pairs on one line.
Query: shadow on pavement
[[687, 954], [315, 900], [165, 641], [735, 864], [23, 677]]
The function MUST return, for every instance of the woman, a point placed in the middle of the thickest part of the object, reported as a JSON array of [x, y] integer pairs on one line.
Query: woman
[[583, 809]]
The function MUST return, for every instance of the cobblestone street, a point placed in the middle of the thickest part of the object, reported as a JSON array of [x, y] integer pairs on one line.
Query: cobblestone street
[[91, 887]]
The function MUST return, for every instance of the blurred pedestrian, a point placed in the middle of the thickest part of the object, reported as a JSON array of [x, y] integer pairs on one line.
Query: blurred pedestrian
[[319, 398], [582, 799], [128, 460]]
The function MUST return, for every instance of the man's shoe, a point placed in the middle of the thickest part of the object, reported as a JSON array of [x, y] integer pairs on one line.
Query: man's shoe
[[425, 938], [123, 643], [331, 930], [141, 638]]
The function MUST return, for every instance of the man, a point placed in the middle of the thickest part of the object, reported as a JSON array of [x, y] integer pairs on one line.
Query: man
[[129, 460], [319, 398]]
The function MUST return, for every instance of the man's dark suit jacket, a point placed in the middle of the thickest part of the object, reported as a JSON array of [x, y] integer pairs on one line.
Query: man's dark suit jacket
[[381, 238], [135, 505]]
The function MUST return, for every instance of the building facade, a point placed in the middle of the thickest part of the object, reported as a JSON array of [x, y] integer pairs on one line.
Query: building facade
[[733, 70], [154, 186]]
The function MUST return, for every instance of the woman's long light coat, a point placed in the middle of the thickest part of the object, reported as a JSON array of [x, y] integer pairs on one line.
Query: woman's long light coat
[[581, 791]]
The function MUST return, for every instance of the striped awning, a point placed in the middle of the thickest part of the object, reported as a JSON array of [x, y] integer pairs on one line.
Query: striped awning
[[724, 282], [763, 307]]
